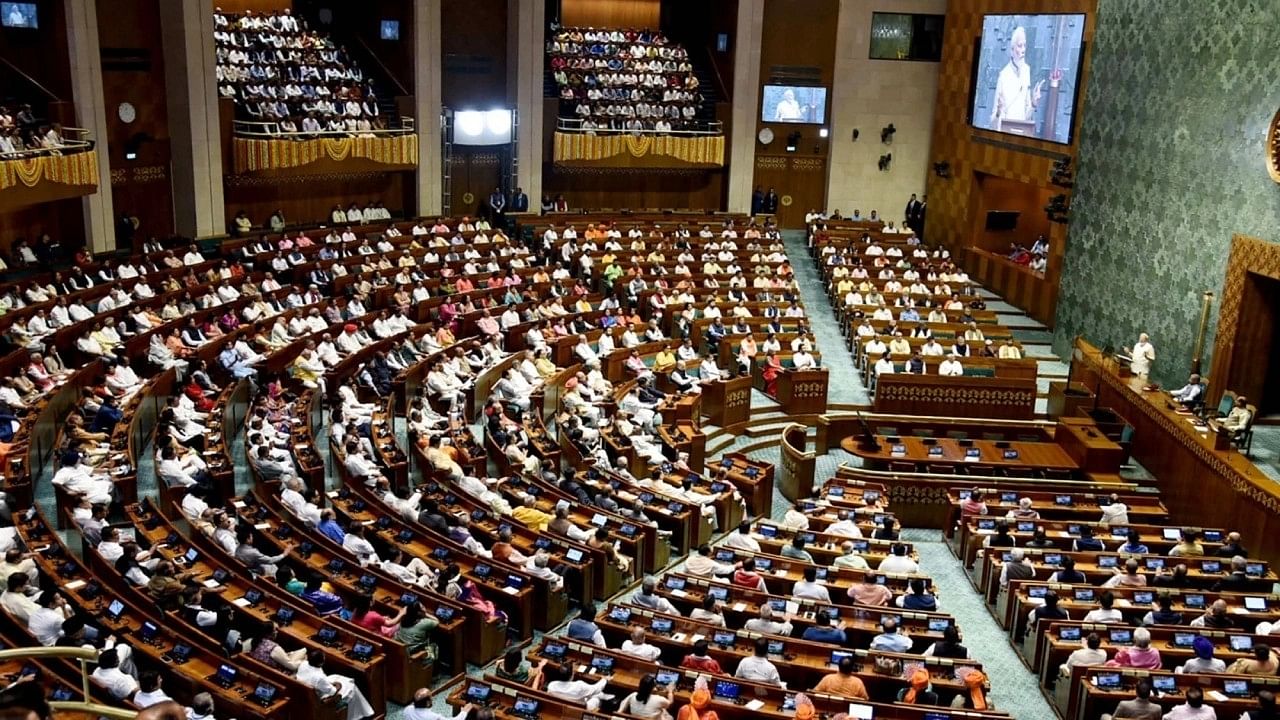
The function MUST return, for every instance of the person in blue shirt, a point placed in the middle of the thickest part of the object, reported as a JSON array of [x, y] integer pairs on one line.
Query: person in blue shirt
[[889, 639], [909, 315], [918, 598], [584, 629], [324, 602], [1087, 542], [1134, 545], [821, 631], [796, 550], [107, 416], [330, 528]]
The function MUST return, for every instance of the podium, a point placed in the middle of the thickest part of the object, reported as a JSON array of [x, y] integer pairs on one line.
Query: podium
[[1065, 399], [727, 402], [686, 438], [803, 392]]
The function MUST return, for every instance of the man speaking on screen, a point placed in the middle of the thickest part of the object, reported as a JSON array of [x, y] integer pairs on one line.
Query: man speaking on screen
[[1016, 100], [788, 109]]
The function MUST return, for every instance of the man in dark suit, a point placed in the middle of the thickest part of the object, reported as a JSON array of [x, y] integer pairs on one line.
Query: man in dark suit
[[918, 225], [519, 201], [757, 201], [913, 211], [771, 202]]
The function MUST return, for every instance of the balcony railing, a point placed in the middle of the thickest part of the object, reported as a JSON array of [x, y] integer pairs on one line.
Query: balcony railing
[[690, 128], [259, 147], [74, 140], [271, 131]]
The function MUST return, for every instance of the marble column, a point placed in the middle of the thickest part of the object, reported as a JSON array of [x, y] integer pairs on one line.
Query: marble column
[[186, 28], [86, 90], [526, 31], [746, 103], [428, 61]]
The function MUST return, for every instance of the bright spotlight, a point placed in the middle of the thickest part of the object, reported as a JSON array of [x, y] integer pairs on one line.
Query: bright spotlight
[[469, 122], [499, 121]]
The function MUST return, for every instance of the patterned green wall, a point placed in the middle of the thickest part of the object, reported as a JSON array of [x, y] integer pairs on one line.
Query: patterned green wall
[[1171, 165]]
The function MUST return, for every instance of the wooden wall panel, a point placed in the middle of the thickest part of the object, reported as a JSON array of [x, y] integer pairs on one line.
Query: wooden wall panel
[[41, 54], [61, 219], [703, 190], [474, 39], [362, 21], [953, 201], [696, 25], [133, 72], [476, 172], [611, 13], [800, 181], [799, 33], [310, 198], [1001, 194]]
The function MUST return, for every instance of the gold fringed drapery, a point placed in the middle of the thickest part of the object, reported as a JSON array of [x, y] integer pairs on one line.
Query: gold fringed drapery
[[703, 150], [75, 169], [255, 155]]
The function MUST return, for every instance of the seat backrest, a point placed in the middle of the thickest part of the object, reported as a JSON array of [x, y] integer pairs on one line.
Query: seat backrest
[[1224, 405]]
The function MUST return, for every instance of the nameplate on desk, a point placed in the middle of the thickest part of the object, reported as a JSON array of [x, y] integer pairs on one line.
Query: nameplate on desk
[[74, 584], [262, 526], [754, 705]]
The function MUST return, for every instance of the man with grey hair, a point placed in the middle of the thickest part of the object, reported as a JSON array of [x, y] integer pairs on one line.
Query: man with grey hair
[[849, 558], [1017, 568], [1015, 98], [538, 567], [766, 624], [648, 599]]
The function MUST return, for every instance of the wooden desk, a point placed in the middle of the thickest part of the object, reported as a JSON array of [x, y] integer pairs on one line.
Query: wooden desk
[[803, 392], [727, 402], [1189, 468], [796, 478], [1067, 398], [1093, 451], [754, 479], [1038, 455], [1013, 399]]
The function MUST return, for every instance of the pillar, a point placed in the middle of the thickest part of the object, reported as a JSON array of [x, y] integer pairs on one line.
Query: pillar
[[526, 31], [86, 91], [428, 61], [186, 28], [746, 103]]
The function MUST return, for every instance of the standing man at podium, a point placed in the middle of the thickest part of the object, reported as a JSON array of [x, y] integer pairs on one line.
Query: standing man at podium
[[1016, 100], [1141, 356]]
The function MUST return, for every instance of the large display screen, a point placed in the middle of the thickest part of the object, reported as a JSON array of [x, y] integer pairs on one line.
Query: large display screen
[[1026, 76], [794, 104]]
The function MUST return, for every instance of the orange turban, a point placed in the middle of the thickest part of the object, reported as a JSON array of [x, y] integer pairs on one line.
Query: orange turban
[[804, 707], [975, 681], [919, 682]]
